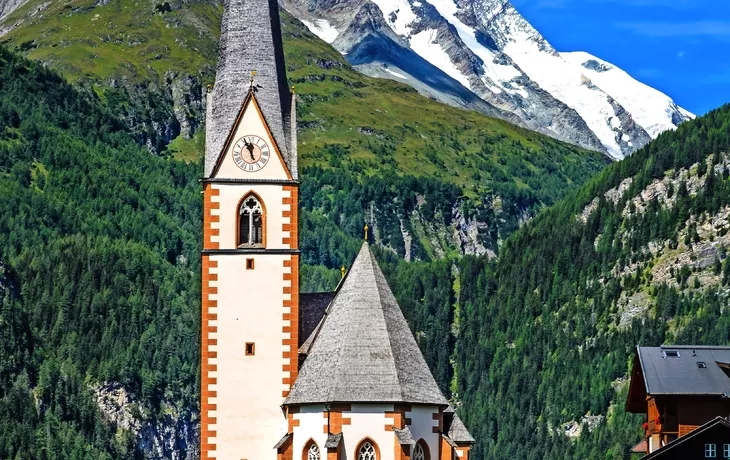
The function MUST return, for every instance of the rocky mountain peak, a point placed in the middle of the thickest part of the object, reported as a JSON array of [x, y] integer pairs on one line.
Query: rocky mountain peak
[[484, 55]]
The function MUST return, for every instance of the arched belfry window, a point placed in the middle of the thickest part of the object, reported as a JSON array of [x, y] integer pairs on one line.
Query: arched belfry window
[[251, 217], [420, 451], [367, 450], [311, 451]]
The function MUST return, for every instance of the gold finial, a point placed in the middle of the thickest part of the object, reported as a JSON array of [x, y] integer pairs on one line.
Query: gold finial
[[253, 76], [366, 232], [342, 271], [294, 89]]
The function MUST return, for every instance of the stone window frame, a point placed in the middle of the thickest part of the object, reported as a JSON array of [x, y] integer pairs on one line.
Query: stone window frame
[[239, 215], [425, 453], [375, 450], [311, 451]]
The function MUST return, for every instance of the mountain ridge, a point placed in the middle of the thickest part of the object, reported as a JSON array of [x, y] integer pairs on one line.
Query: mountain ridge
[[490, 50]]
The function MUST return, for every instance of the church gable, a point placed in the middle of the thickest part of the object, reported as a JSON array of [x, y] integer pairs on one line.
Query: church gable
[[250, 151]]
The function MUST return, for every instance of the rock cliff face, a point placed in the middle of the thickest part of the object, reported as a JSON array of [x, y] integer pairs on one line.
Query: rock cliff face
[[172, 435], [454, 50], [8, 6]]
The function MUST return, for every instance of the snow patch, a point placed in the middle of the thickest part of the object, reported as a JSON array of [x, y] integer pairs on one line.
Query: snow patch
[[498, 73], [567, 82], [650, 108], [396, 74], [425, 44], [399, 15], [323, 29]]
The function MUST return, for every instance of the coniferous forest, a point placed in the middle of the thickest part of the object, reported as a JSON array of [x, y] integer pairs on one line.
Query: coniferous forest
[[99, 280]]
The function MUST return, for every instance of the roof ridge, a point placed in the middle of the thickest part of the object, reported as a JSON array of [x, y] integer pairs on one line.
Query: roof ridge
[[692, 347]]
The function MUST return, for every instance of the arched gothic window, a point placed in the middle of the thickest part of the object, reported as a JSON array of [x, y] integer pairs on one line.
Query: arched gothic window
[[251, 223], [420, 451], [311, 451], [367, 451]]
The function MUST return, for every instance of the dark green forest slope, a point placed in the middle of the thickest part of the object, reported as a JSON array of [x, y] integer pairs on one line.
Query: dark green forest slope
[[99, 246], [638, 256]]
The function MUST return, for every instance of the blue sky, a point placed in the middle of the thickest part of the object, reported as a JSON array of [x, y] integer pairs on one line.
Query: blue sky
[[680, 47]]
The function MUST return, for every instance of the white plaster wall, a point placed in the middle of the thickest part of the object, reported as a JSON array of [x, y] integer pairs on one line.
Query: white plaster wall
[[368, 421], [249, 388], [422, 424], [229, 198], [312, 421], [251, 124]]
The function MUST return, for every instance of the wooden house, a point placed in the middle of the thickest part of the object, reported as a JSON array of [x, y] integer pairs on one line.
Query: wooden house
[[679, 388], [711, 440]]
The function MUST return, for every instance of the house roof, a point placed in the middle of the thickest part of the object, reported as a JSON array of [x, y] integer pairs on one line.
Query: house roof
[[405, 437], [641, 447], [665, 374], [283, 440], [250, 41], [364, 350], [683, 439], [333, 440], [457, 432]]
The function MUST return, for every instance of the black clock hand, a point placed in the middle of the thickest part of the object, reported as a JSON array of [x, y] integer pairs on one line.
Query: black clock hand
[[249, 147]]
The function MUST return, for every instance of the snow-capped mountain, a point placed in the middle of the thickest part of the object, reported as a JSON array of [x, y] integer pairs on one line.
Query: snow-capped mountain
[[483, 54]]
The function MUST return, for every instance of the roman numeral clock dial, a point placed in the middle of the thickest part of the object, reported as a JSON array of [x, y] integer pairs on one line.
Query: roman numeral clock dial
[[251, 153]]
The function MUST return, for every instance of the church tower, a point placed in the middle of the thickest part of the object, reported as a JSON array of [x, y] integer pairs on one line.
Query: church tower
[[250, 259]]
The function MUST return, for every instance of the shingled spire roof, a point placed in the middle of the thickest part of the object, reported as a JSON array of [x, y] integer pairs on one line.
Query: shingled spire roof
[[250, 41], [364, 350]]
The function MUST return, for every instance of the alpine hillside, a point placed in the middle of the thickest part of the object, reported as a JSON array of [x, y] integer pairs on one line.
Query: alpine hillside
[[370, 137], [484, 55], [638, 256]]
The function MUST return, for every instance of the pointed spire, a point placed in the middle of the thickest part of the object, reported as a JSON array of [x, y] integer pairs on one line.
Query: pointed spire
[[250, 42], [364, 350]]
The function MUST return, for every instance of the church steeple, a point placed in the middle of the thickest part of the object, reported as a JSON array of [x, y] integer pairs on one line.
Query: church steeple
[[251, 41]]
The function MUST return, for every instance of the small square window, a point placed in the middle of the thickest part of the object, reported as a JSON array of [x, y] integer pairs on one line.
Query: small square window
[[726, 450], [249, 264], [671, 354], [250, 348], [710, 451], [701, 365]]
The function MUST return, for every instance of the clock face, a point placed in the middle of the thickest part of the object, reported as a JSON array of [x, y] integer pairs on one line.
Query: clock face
[[251, 153]]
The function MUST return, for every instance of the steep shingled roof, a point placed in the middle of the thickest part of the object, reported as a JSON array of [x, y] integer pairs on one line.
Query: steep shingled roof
[[365, 351], [250, 40]]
